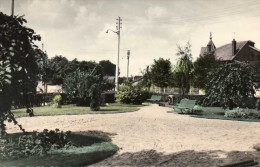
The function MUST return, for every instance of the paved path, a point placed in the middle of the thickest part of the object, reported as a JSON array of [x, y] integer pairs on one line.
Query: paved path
[[153, 127]]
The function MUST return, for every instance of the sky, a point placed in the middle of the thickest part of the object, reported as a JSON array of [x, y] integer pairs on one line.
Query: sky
[[151, 29]]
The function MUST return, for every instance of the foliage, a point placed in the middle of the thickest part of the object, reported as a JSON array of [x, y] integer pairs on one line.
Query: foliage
[[108, 67], [183, 72], [57, 101], [147, 78], [34, 144], [85, 151], [196, 110], [242, 113], [202, 67], [57, 68], [84, 88], [19, 66], [230, 84], [161, 74], [131, 94]]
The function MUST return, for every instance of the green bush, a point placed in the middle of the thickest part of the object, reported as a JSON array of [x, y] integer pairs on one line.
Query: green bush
[[197, 109], [243, 113], [57, 101], [131, 94], [34, 144]]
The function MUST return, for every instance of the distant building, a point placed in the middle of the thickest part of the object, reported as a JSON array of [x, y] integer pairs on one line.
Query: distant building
[[240, 51], [50, 88]]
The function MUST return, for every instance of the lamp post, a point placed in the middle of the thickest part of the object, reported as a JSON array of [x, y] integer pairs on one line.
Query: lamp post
[[117, 65]]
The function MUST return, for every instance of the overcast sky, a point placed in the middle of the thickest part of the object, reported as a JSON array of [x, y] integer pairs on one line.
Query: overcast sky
[[150, 28]]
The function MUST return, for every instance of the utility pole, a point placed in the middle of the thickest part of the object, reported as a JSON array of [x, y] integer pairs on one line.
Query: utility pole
[[44, 83], [119, 23], [12, 14], [118, 27], [128, 55]]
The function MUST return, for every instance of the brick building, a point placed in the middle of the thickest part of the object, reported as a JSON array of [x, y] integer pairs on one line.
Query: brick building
[[240, 51]]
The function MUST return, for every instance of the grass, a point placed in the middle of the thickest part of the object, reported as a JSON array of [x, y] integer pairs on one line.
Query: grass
[[91, 150], [218, 113], [77, 110]]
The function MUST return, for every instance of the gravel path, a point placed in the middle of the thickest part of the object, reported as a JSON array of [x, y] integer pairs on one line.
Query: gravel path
[[154, 127]]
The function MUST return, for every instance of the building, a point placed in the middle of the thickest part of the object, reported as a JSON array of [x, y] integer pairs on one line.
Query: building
[[240, 51]]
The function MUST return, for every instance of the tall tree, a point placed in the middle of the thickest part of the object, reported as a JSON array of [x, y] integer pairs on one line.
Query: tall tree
[[57, 67], [230, 84], [108, 67], [183, 71], [202, 68], [161, 73], [19, 66]]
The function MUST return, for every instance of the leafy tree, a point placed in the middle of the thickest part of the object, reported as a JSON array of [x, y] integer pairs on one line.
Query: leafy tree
[[57, 69], [84, 88], [230, 84], [108, 67], [146, 81], [161, 74], [183, 71], [19, 67], [202, 67]]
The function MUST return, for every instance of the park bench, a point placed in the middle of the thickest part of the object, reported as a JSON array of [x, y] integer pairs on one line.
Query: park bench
[[184, 105], [155, 98]]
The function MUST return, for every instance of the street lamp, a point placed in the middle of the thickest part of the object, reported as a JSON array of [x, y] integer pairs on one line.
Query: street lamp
[[117, 65]]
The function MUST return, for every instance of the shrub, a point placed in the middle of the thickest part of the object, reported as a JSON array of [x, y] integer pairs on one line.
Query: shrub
[[197, 109], [34, 144], [242, 113], [129, 93], [57, 101]]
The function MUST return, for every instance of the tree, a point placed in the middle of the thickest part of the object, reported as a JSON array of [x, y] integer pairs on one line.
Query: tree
[[230, 84], [108, 67], [84, 88], [19, 62], [57, 68], [202, 68], [161, 73], [146, 80], [183, 71]]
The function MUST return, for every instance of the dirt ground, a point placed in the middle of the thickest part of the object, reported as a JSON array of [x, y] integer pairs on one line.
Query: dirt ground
[[156, 136]]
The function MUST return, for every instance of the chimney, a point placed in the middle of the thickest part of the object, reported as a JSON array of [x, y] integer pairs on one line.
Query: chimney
[[234, 47]]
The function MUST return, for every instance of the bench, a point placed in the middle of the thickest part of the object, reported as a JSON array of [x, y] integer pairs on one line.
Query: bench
[[155, 98], [184, 105]]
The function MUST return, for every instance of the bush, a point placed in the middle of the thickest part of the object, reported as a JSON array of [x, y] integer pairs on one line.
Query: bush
[[242, 113], [57, 101], [131, 94], [197, 109], [34, 144]]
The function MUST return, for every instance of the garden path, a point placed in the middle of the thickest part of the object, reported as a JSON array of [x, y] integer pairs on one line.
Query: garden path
[[154, 127]]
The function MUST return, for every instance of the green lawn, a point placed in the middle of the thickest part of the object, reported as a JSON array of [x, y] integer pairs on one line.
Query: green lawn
[[77, 110], [218, 113], [89, 150]]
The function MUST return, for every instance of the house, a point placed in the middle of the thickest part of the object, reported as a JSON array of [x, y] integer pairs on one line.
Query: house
[[240, 51], [50, 88]]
